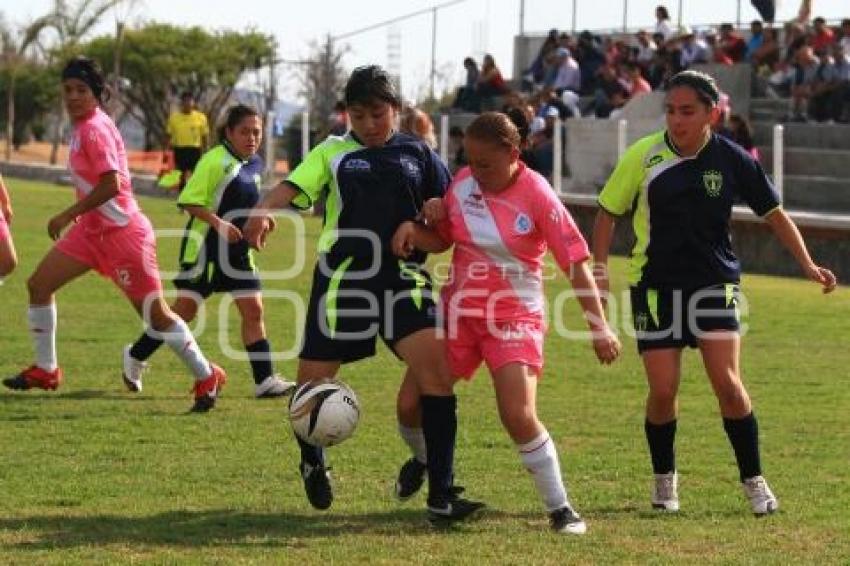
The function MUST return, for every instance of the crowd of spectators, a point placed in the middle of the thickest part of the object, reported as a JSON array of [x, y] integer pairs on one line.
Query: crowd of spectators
[[806, 62]]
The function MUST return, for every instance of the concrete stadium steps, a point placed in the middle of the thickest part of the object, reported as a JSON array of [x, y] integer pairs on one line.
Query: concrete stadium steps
[[825, 136], [817, 194], [816, 162], [769, 109]]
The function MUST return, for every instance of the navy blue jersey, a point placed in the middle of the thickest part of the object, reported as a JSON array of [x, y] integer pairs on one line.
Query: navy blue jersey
[[371, 190], [227, 185], [683, 207]]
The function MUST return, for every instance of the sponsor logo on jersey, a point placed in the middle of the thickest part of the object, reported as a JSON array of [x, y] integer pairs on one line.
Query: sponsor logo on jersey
[[712, 180], [357, 165], [411, 168], [522, 224], [641, 321]]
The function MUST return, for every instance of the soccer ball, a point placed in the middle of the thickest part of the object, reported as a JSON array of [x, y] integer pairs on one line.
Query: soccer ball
[[324, 412]]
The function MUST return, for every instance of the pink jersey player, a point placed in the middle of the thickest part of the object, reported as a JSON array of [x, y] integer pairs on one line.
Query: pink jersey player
[[502, 218], [108, 234], [8, 256]]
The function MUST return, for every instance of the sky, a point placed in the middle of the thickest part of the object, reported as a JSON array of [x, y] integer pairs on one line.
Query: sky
[[470, 27]]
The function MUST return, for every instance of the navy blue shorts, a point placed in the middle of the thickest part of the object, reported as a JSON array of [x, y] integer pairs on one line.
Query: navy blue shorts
[[675, 318], [350, 307], [213, 278]]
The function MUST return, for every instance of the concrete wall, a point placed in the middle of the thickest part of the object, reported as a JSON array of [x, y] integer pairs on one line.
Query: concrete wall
[[142, 184]]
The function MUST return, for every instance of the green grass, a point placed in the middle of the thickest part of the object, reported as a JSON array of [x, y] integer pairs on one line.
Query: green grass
[[94, 474]]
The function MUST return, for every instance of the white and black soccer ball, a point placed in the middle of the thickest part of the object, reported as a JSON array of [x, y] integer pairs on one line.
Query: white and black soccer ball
[[324, 412]]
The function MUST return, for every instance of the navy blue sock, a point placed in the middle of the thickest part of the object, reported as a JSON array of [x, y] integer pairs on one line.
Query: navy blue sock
[[744, 436], [312, 455], [661, 439], [439, 426], [145, 346], [259, 353]]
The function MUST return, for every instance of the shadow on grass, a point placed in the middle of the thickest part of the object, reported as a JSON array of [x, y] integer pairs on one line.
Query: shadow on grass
[[209, 528]]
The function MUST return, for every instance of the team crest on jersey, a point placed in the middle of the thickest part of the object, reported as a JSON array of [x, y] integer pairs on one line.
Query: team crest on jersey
[[653, 161], [712, 180], [522, 224], [357, 165]]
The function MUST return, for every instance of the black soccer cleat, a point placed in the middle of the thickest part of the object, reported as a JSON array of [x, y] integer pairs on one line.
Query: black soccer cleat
[[450, 507], [411, 476], [317, 485], [567, 521]]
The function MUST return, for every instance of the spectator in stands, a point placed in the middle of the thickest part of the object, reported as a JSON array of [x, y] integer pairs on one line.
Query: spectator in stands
[[806, 70], [490, 82], [638, 84], [611, 92], [662, 22], [766, 56], [590, 58], [417, 123], [645, 49], [693, 50], [827, 91], [822, 36], [567, 74], [537, 70], [741, 132], [467, 95], [732, 44], [541, 146], [845, 36], [458, 156], [756, 39], [841, 103]]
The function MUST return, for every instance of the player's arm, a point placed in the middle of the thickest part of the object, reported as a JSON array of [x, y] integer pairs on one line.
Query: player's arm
[[605, 342], [603, 235], [106, 188], [5, 203], [260, 222], [224, 228], [791, 239]]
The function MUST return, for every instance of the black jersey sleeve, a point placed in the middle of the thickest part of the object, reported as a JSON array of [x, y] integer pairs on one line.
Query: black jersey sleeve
[[753, 185]]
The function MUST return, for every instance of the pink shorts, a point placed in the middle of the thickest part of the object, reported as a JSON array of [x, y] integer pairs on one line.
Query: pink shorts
[[496, 343], [127, 255], [4, 228]]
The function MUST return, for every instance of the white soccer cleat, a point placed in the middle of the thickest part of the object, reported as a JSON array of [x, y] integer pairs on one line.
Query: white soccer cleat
[[761, 498], [133, 370], [665, 492], [273, 386]]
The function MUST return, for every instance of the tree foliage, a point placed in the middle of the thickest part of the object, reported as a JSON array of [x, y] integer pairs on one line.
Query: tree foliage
[[323, 79], [35, 94], [160, 60]]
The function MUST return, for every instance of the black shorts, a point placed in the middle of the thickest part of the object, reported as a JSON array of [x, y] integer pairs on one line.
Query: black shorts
[[351, 305], [185, 158], [675, 318], [213, 278]]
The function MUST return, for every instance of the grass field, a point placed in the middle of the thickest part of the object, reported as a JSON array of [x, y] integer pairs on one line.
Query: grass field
[[94, 474]]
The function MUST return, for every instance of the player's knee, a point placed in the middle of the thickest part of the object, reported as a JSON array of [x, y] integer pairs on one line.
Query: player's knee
[[733, 398], [8, 265]]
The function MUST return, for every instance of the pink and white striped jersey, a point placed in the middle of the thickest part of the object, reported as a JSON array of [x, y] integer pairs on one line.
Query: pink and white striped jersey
[[500, 241], [97, 148]]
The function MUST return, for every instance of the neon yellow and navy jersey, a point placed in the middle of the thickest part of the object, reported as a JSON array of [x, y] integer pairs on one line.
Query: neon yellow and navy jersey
[[370, 189], [226, 184], [682, 208]]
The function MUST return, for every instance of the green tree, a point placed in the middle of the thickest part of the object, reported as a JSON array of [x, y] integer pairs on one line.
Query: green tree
[[35, 94], [14, 48], [161, 60]]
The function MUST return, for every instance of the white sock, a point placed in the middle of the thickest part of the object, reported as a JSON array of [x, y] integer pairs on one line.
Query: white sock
[[541, 459], [179, 338], [42, 323], [415, 440]]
